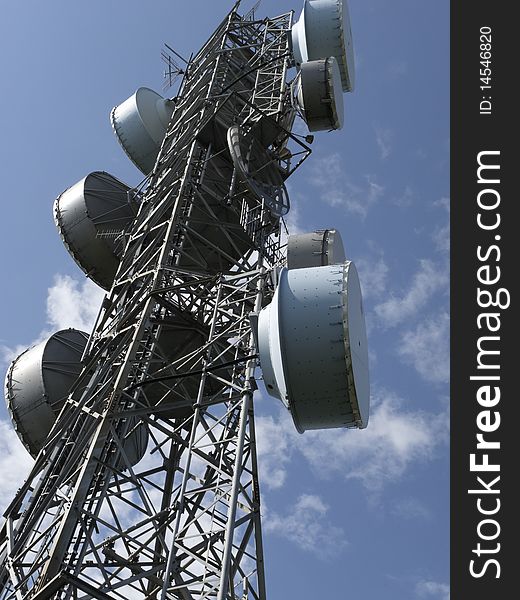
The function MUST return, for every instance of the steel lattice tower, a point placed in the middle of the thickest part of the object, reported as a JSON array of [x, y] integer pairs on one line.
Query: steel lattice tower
[[170, 364]]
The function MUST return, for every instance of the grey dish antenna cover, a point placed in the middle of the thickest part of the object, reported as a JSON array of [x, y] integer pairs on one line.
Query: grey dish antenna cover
[[91, 217], [140, 124], [320, 96], [317, 249], [259, 170], [313, 347], [37, 385], [323, 30]]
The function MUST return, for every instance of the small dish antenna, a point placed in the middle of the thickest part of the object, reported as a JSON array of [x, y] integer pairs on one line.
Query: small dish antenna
[[317, 249], [323, 30], [37, 385], [91, 217], [140, 124], [259, 170], [320, 95]]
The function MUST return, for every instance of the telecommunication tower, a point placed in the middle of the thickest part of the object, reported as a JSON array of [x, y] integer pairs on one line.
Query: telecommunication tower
[[145, 481]]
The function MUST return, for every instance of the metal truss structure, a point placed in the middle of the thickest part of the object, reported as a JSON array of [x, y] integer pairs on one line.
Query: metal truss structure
[[147, 487]]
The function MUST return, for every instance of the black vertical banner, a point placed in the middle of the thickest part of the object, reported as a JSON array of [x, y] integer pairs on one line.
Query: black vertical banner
[[485, 331]]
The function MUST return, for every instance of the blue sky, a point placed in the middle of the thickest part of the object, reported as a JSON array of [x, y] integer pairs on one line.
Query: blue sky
[[347, 514]]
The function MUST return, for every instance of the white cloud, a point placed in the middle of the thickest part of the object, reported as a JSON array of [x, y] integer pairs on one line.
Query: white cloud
[[383, 139], [335, 187], [426, 348], [441, 235], [427, 281], [406, 198], [293, 218], [306, 526], [15, 464], [273, 450], [444, 203], [432, 589], [441, 238], [394, 440], [373, 275], [71, 303], [411, 508]]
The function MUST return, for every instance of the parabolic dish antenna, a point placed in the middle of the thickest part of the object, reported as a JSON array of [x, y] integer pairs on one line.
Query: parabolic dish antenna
[[317, 249], [259, 170], [140, 124], [323, 30], [37, 385], [90, 216], [313, 347], [320, 95]]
